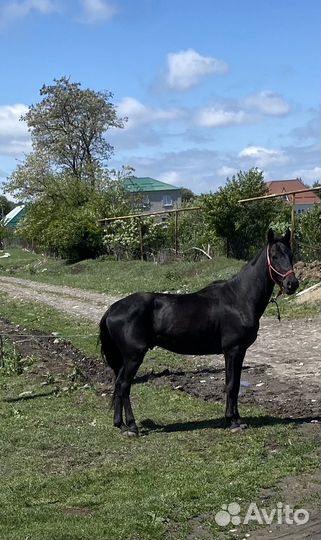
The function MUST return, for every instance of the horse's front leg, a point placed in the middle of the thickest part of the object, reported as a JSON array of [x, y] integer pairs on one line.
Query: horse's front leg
[[233, 367]]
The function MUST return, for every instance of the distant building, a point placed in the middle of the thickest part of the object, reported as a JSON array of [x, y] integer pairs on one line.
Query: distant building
[[153, 195], [13, 218], [303, 201]]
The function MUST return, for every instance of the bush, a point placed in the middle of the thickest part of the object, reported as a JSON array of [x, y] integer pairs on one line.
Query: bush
[[122, 237], [67, 225], [308, 234], [242, 226]]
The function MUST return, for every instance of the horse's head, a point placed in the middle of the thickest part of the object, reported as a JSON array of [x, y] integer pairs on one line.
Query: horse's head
[[280, 262]]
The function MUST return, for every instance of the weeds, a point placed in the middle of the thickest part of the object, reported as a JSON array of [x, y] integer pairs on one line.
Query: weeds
[[11, 361]]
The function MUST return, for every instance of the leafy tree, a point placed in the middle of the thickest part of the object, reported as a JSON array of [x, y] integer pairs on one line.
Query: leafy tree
[[34, 178], [64, 179], [5, 206], [187, 195], [308, 234], [122, 237], [193, 231], [68, 126], [68, 226], [242, 226]]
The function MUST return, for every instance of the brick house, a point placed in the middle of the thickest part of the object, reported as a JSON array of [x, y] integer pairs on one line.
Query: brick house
[[303, 201]]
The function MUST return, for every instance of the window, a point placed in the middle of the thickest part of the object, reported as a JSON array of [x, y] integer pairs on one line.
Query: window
[[167, 200]]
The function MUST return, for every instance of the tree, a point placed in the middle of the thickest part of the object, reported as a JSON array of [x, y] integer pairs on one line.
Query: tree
[[64, 179], [5, 206], [67, 132], [187, 195], [242, 226], [308, 234], [68, 226], [69, 125]]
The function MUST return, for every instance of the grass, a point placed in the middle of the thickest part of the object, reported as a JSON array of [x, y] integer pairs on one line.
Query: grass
[[118, 277], [290, 309], [66, 473]]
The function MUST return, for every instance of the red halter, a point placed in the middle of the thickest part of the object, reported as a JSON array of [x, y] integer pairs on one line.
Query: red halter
[[271, 268]]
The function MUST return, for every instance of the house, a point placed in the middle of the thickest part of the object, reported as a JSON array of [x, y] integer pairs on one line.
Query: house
[[303, 201], [13, 218], [153, 195]]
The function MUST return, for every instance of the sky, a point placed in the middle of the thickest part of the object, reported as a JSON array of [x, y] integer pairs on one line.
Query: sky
[[209, 87]]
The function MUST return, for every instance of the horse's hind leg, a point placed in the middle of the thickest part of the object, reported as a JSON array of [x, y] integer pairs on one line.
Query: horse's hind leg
[[118, 402], [130, 369]]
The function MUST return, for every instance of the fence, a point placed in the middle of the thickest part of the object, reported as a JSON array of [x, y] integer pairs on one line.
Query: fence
[[141, 237]]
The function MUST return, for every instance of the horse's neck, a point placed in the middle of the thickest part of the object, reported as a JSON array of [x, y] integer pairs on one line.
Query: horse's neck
[[259, 286]]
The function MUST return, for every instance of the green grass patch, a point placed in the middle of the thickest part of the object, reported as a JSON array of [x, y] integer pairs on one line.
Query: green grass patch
[[66, 473], [290, 309], [118, 277]]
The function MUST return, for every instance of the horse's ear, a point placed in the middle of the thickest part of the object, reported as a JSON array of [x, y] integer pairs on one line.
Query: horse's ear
[[270, 236], [287, 237]]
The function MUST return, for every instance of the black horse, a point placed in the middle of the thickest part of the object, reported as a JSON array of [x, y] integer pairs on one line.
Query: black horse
[[221, 318]]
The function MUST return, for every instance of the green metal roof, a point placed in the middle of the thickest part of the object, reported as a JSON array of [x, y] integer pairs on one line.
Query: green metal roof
[[12, 219], [134, 184]]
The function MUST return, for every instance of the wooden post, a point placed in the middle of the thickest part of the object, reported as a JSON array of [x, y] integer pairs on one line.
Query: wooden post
[[176, 233], [292, 221], [141, 239]]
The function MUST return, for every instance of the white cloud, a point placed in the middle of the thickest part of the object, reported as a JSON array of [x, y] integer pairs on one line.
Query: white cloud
[[10, 123], [14, 136], [263, 157], [96, 11], [226, 171], [219, 116], [204, 170], [138, 113], [308, 175], [243, 111], [268, 103], [172, 177], [14, 9], [186, 68]]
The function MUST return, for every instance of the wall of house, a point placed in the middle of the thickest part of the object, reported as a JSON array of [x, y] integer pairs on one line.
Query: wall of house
[[301, 208], [160, 200]]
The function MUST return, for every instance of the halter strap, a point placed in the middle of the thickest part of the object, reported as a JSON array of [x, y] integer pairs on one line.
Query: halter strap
[[272, 269]]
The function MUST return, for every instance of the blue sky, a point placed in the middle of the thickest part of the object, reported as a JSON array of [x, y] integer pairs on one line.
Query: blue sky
[[209, 86]]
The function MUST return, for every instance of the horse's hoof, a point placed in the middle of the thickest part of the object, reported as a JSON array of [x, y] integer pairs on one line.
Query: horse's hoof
[[234, 428], [129, 433]]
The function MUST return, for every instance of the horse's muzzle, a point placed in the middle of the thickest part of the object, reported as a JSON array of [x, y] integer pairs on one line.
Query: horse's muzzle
[[291, 284]]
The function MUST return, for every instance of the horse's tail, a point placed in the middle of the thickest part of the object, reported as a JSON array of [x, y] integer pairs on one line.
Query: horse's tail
[[109, 350]]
